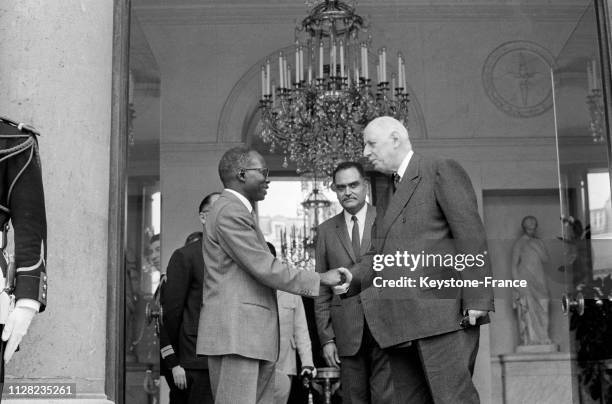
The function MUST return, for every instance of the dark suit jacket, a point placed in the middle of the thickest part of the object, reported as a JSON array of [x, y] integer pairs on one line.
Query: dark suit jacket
[[239, 312], [181, 301], [340, 319], [433, 211]]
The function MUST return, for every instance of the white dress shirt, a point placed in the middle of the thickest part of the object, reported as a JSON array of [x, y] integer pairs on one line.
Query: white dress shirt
[[404, 165], [244, 200], [361, 216]]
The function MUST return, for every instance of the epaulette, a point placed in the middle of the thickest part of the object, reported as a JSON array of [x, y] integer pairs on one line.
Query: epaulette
[[22, 127]]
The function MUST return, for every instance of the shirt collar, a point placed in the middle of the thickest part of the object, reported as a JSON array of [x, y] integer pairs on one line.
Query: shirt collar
[[244, 200], [361, 215], [404, 165]]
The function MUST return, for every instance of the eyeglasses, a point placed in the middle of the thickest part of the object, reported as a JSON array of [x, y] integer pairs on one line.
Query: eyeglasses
[[262, 171], [342, 187]]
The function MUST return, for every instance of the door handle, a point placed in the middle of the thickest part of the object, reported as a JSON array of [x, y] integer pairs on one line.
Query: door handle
[[575, 304]]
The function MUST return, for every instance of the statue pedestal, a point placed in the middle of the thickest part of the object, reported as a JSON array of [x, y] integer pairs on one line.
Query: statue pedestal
[[543, 348], [537, 377]]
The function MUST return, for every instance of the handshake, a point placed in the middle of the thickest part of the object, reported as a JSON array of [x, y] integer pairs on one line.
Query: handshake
[[339, 279]]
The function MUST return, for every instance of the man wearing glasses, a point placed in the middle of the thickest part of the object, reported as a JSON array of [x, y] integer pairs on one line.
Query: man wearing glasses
[[343, 332], [181, 300], [239, 318]]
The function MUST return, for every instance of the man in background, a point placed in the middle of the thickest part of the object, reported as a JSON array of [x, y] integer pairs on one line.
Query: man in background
[[293, 337], [181, 301], [346, 340]]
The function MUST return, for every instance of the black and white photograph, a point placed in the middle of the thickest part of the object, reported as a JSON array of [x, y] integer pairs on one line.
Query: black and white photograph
[[306, 201]]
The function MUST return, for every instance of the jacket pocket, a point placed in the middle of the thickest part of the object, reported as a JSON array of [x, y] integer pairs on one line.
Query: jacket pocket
[[257, 305]]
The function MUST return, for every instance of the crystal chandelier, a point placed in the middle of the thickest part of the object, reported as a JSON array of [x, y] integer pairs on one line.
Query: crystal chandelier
[[595, 104], [297, 246], [315, 113]]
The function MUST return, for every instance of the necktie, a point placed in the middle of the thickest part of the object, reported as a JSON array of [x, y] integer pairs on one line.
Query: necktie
[[396, 180], [355, 237]]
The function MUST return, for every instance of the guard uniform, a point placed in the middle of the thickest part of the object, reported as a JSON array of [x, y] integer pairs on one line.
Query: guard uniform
[[22, 205]]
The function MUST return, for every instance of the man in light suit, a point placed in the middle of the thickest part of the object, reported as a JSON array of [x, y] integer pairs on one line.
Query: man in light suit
[[431, 334], [239, 328], [341, 242]]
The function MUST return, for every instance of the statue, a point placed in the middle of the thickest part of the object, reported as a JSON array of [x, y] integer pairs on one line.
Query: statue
[[529, 255]]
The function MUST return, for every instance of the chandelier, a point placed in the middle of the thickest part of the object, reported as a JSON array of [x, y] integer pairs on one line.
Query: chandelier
[[595, 104], [315, 113], [297, 246]]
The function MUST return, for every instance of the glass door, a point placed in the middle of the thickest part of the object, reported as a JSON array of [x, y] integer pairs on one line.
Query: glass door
[[142, 224], [581, 79]]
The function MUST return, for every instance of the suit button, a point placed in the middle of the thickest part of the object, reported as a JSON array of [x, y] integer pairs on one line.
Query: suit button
[[44, 295], [44, 287]]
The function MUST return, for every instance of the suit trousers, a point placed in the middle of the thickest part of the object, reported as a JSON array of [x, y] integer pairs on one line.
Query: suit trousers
[[282, 387], [366, 376], [236, 379], [436, 369]]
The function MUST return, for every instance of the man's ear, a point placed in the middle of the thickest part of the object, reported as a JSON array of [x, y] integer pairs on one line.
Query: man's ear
[[240, 175], [202, 217], [395, 138]]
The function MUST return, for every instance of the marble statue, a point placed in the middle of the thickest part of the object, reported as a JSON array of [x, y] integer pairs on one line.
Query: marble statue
[[529, 255]]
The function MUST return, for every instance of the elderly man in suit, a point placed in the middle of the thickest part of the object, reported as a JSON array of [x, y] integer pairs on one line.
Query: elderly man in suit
[[239, 328], [181, 300], [430, 333], [346, 340]]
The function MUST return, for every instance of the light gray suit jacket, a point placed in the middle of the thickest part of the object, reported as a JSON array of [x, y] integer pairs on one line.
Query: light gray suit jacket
[[239, 312], [340, 319]]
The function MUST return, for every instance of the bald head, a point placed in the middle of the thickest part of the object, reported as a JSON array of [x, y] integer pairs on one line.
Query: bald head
[[386, 143]]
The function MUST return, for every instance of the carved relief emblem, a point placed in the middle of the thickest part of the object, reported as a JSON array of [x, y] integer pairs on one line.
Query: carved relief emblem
[[517, 78]]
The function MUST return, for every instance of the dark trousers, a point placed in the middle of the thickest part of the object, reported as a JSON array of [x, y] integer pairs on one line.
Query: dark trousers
[[366, 376], [436, 369], [198, 389]]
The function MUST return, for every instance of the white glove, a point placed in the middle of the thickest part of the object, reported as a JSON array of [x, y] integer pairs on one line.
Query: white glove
[[15, 328], [180, 377]]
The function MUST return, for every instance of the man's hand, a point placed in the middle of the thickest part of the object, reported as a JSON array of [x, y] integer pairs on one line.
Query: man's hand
[[474, 315], [308, 371], [16, 327], [307, 374], [336, 277], [330, 354], [179, 376]]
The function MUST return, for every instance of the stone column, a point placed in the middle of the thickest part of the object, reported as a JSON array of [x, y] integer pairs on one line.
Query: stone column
[[55, 73]]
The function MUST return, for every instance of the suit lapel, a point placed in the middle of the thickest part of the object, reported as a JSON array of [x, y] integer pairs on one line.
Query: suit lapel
[[367, 233], [260, 235], [342, 233], [403, 193]]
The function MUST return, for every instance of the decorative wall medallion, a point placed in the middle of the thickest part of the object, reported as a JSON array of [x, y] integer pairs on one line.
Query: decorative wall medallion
[[516, 78]]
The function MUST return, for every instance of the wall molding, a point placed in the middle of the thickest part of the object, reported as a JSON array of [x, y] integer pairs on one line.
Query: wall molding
[[235, 14]]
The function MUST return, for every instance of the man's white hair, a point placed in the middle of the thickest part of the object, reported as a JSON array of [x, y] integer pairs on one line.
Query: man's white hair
[[387, 125]]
